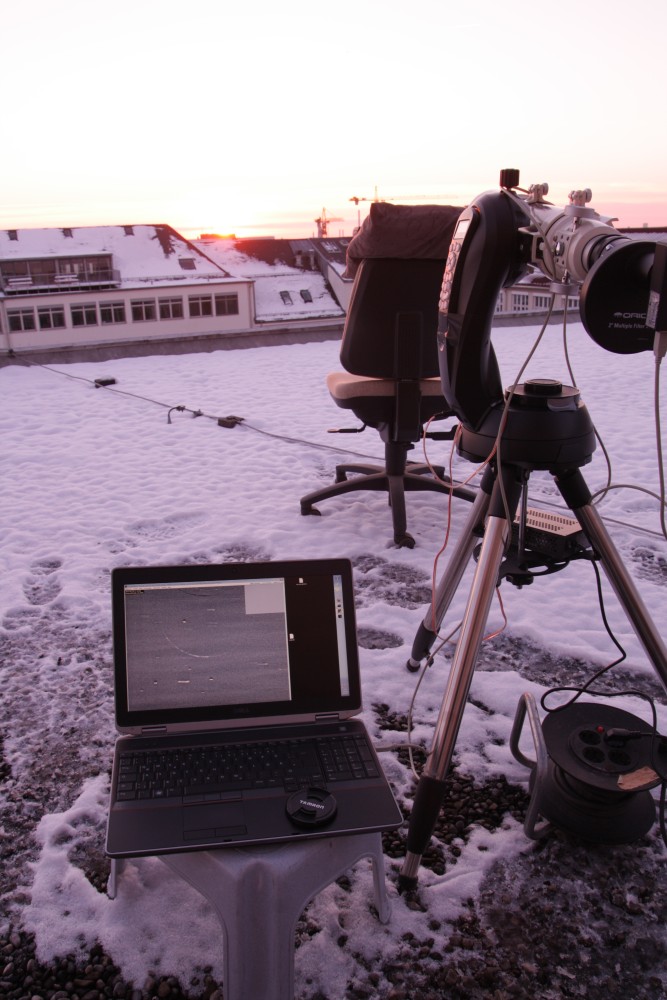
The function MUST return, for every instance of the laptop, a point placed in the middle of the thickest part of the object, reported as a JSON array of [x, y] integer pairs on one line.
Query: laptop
[[236, 691]]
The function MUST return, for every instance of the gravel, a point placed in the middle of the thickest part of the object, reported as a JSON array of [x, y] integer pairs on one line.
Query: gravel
[[562, 919]]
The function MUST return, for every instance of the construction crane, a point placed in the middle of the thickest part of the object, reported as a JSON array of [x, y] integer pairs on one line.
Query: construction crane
[[356, 201], [435, 198], [375, 197], [323, 224], [402, 197]]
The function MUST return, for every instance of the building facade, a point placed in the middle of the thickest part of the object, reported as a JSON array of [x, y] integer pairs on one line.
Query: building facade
[[94, 285], [532, 295], [136, 288]]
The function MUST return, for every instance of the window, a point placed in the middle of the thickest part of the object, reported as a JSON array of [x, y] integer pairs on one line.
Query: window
[[201, 305], [112, 312], [51, 317], [15, 269], [187, 263], [287, 298], [542, 301], [143, 310], [69, 268], [43, 271], [21, 319], [171, 308], [520, 302], [226, 305], [305, 295], [573, 303], [59, 270], [84, 315], [91, 268]]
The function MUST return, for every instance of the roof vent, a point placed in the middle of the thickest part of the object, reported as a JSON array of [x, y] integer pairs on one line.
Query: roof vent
[[13, 234], [129, 230], [67, 232]]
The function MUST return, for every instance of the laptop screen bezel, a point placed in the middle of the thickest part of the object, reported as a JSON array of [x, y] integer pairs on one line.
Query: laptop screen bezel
[[231, 716]]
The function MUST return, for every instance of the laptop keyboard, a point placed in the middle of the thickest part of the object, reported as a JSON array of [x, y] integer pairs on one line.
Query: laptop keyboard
[[202, 774]]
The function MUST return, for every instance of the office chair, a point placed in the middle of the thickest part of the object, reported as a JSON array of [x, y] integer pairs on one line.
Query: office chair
[[391, 380]]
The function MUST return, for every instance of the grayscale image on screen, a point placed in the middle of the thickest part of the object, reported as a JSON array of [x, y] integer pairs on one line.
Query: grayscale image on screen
[[191, 645]]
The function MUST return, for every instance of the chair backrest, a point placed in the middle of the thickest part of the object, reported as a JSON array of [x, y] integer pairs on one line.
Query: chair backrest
[[392, 319]]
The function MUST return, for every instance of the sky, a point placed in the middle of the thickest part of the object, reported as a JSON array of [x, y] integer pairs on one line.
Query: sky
[[255, 119]]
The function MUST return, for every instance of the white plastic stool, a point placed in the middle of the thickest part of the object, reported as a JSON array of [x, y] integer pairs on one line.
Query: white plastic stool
[[259, 893]]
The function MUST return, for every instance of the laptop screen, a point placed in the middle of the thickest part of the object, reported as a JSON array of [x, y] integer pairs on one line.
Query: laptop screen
[[244, 642]]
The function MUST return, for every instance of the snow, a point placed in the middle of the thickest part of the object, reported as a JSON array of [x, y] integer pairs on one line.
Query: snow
[[101, 477], [270, 279], [141, 253]]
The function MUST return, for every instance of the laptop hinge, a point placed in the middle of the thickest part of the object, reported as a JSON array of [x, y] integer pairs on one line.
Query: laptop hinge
[[150, 730], [327, 717]]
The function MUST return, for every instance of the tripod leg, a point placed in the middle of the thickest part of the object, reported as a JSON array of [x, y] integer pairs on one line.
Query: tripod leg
[[451, 577], [431, 786], [577, 496]]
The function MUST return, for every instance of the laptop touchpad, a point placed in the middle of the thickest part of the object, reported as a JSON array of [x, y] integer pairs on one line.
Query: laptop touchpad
[[220, 819]]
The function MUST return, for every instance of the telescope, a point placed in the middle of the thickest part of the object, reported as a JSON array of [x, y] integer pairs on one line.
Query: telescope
[[540, 424], [496, 238]]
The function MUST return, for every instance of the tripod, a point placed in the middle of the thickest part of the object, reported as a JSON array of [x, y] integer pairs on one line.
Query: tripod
[[547, 428]]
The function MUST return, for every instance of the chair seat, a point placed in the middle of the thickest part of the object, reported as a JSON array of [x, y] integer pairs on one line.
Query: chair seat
[[344, 387]]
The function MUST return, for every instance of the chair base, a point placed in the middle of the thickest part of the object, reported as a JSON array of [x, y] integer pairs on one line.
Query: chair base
[[415, 476]]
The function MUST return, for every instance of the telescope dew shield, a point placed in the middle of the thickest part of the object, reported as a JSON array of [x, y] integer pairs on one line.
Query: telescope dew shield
[[657, 306], [615, 295]]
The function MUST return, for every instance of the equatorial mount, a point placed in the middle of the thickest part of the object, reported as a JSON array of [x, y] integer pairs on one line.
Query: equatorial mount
[[536, 425], [543, 425]]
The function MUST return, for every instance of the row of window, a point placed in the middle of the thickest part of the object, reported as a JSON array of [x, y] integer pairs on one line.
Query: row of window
[[66, 270], [107, 313], [521, 302], [54, 270]]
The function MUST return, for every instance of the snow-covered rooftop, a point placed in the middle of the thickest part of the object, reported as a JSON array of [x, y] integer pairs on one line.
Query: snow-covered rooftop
[[140, 253], [98, 478], [283, 290]]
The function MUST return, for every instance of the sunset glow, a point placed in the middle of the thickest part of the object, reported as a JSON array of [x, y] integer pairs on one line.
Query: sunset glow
[[251, 121]]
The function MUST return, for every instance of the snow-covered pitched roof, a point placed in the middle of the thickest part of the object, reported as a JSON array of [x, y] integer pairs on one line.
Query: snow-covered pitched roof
[[282, 292], [333, 249], [140, 253]]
